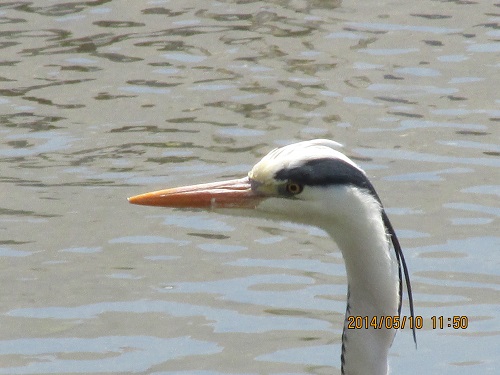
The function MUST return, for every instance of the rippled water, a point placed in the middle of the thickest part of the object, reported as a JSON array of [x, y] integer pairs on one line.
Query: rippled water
[[101, 100]]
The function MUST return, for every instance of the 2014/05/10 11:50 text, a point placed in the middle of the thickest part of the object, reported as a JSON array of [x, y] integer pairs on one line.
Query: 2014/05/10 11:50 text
[[400, 322]]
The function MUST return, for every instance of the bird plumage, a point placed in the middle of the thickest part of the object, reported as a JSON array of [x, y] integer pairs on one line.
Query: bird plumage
[[312, 182]]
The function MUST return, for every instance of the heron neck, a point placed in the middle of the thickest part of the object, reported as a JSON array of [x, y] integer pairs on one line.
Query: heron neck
[[372, 292]]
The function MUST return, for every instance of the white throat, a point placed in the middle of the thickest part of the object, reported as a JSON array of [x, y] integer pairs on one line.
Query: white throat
[[373, 284], [355, 223]]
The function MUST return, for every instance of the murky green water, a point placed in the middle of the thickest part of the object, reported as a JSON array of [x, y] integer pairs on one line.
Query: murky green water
[[101, 100]]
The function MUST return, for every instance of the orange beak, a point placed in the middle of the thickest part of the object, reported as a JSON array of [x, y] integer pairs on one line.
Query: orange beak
[[225, 194]]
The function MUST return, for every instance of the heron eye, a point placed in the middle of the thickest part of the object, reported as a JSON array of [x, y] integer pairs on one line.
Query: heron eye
[[294, 188]]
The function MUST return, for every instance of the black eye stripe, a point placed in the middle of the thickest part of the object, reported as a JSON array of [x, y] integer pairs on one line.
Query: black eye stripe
[[326, 172]]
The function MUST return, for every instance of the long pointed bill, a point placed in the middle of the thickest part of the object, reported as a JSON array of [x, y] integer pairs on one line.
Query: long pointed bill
[[225, 194]]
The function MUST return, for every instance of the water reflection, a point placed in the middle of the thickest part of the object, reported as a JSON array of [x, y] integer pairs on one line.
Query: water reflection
[[100, 101], [111, 353], [221, 320]]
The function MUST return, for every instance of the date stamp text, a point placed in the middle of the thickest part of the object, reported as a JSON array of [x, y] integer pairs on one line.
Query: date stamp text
[[402, 322]]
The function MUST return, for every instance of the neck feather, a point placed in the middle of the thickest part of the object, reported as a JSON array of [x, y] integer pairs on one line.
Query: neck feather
[[353, 218], [373, 287]]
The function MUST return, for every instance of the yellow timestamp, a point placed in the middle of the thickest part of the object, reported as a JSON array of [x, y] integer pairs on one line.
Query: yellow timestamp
[[402, 322], [455, 322], [388, 322]]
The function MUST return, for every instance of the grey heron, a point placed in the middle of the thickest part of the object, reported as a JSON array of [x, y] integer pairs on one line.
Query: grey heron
[[312, 182]]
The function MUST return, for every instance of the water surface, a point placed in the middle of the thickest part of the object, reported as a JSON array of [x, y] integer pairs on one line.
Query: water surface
[[100, 101]]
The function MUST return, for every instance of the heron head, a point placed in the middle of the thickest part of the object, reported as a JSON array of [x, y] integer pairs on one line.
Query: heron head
[[294, 181]]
